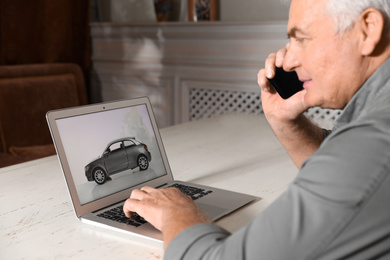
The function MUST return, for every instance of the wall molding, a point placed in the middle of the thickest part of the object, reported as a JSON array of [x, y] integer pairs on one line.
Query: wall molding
[[163, 60]]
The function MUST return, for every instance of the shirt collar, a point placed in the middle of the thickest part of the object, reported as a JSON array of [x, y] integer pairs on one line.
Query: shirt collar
[[365, 96]]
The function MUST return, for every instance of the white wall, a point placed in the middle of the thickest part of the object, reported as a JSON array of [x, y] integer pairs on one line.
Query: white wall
[[172, 63]]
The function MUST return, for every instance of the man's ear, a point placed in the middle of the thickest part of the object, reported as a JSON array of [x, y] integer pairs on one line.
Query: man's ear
[[372, 25]]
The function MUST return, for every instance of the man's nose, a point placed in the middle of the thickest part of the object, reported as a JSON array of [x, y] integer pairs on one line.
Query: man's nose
[[291, 61]]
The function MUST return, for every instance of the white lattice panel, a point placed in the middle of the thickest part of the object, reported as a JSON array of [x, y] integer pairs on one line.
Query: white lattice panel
[[209, 102], [323, 117]]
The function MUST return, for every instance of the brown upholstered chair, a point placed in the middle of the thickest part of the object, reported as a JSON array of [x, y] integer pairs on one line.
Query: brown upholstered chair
[[27, 92]]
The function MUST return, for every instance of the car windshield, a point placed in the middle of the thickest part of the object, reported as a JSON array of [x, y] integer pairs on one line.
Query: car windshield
[[115, 146]]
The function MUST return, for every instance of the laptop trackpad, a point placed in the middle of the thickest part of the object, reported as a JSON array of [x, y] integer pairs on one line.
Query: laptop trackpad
[[213, 212]]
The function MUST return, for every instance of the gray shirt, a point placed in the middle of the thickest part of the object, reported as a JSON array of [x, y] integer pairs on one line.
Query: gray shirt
[[337, 207]]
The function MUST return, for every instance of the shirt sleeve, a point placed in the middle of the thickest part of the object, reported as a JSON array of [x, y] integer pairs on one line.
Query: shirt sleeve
[[187, 243], [332, 188]]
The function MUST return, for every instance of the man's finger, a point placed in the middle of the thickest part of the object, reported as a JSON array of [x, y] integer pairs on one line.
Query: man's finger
[[138, 194], [280, 57], [270, 66], [262, 81], [130, 206], [147, 189]]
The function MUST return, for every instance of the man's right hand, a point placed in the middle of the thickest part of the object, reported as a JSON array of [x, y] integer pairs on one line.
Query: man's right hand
[[275, 108], [298, 135]]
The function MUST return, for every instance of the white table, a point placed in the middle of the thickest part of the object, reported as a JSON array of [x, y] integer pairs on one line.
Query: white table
[[236, 151]]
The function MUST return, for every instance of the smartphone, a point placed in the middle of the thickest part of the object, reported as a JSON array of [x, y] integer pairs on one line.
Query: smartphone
[[286, 83]]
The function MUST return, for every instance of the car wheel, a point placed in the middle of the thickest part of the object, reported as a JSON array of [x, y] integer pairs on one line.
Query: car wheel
[[143, 162], [99, 176]]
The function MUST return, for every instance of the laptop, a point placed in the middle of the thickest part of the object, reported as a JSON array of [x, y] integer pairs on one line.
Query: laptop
[[106, 150]]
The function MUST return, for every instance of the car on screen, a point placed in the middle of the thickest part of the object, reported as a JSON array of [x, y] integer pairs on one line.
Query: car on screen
[[118, 156]]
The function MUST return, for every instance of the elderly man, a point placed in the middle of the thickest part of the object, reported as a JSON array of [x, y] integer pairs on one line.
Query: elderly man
[[337, 207]]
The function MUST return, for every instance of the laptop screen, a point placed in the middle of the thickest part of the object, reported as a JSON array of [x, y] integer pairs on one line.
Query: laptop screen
[[110, 151]]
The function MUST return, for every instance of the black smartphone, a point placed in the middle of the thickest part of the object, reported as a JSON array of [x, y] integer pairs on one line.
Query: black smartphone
[[286, 83]]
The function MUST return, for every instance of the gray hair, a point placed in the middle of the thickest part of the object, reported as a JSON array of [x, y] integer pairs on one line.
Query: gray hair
[[346, 12]]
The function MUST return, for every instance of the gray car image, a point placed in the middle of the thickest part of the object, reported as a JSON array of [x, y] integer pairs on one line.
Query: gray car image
[[119, 155]]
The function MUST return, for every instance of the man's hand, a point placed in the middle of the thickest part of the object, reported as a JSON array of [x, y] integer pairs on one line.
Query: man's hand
[[169, 210], [299, 136], [275, 108]]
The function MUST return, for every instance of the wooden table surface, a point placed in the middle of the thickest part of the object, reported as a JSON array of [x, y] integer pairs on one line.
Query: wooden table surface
[[235, 151]]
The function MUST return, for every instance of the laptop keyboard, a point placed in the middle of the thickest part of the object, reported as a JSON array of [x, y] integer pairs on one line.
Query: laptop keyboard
[[117, 214], [193, 192]]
